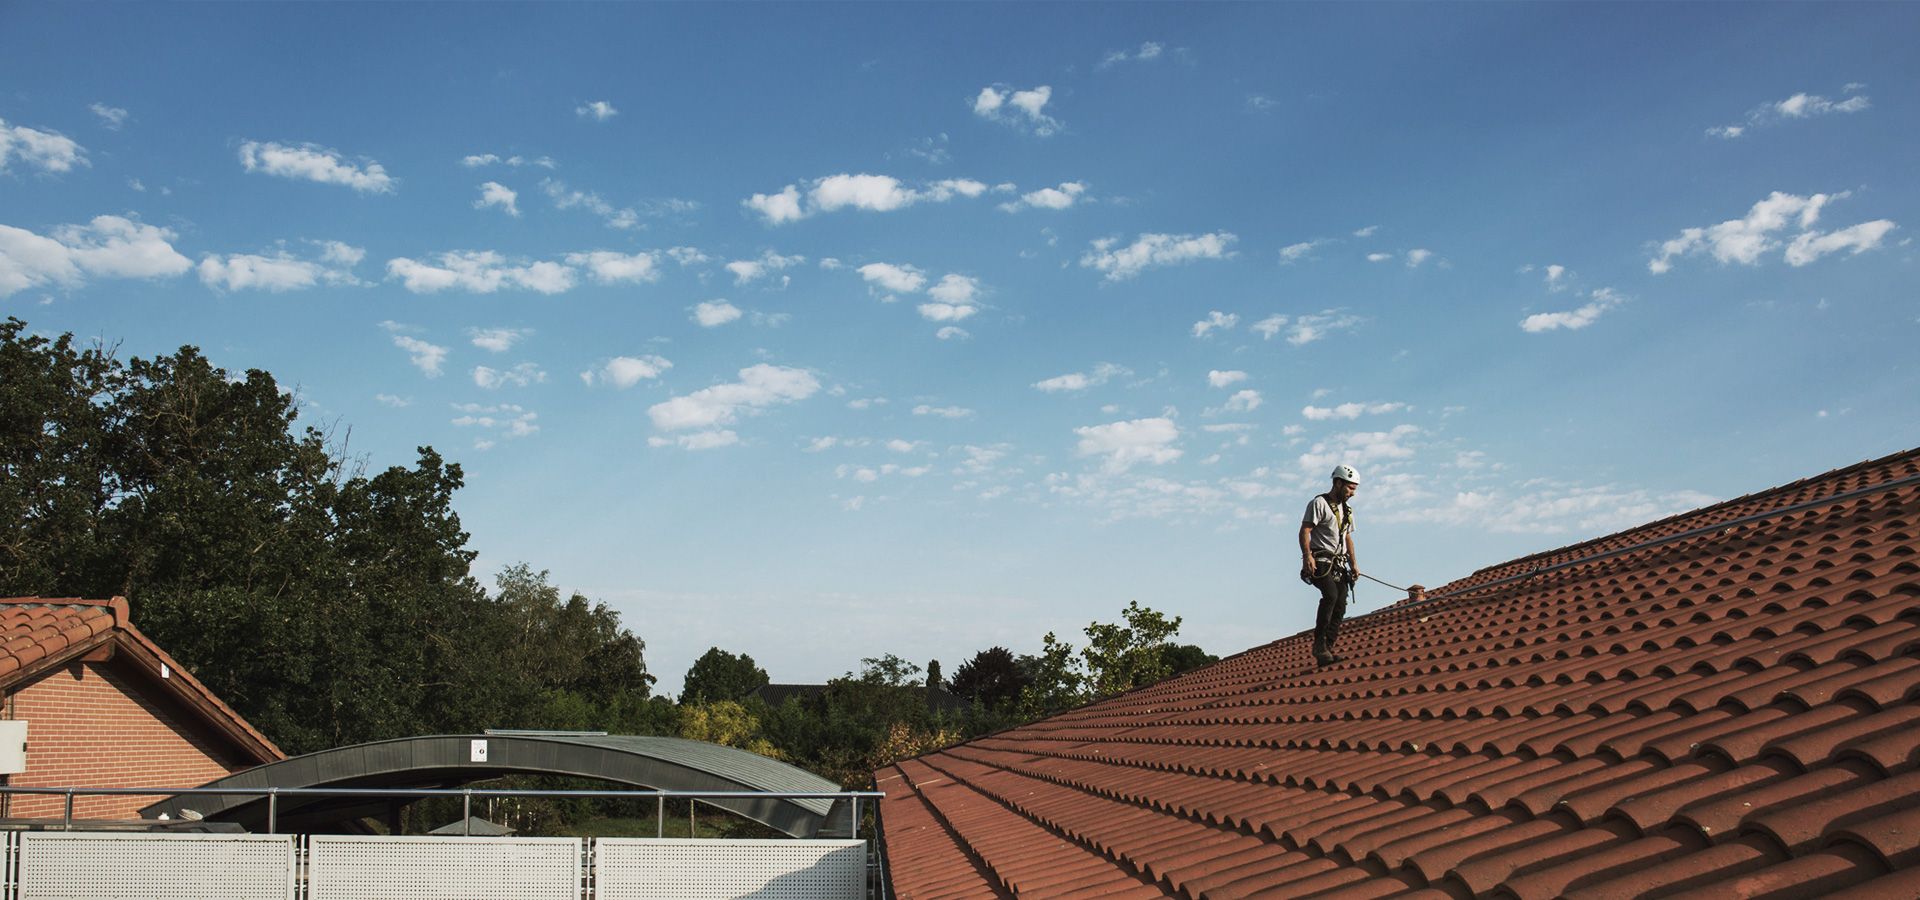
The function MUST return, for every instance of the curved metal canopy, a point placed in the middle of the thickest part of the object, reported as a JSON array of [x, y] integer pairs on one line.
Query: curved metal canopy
[[442, 761]]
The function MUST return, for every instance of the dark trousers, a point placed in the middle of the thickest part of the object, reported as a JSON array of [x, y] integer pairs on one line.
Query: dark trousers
[[1333, 607]]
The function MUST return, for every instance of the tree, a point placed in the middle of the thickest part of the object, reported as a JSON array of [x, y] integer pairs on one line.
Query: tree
[[933, 676], [1182, 658], [1122, 657], [727, 723], [991, 678], [719, 675], [1054, 681]]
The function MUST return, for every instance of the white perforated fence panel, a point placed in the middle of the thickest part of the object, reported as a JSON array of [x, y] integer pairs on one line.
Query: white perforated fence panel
[[443, 868], [84, 866], [680, 869]]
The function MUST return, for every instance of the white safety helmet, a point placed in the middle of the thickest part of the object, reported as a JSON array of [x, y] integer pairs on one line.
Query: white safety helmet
[[1347, 474]]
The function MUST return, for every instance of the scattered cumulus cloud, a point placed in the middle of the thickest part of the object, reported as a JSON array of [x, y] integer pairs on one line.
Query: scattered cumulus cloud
[[1147, 52], [626, 371], [312, 162], [1349, 411], [872, 193], [493, 193], [1149, 250], [281, 271], [944, 412], [1799, 106], [1024, 110], [1417, 256], [506, 419], [1243, 401], [899, 279], [521, 375], [48, 151], [1748, 239], [1293, 253], [714, 313], [614, 267], [1366, 232], [426, 357], [1379, 257], [488, 159], [112, 117], [1061, 197], [598, 110], [700, 440], [1302, 330], [1215, 320], [624, 218], [1073, 382], [479, 272], [1599, 302], [760, 386], [497, 340], [106, 247], [393, 402], [1123, 444], [747, 271], [1359, 448], [1220, 379]]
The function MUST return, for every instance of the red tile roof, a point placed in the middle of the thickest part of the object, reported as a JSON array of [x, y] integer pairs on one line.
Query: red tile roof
[[1723, 703], [38, 634]]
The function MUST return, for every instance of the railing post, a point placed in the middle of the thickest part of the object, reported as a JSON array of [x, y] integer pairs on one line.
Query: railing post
[[660, 808], [691, 803], [67, 823], [466, 812], [273, 810]]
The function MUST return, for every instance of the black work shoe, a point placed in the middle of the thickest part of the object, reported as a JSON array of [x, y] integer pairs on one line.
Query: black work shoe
[[1325, 658]]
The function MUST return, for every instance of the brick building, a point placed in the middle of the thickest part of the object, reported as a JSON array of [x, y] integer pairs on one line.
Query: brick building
[[105, 707]]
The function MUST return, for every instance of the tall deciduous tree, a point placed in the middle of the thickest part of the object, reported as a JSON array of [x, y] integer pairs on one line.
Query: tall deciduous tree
[[719, 675]]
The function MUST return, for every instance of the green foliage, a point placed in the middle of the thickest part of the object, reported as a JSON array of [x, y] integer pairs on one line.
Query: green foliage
[[1123, 657], [727, 723], [889, 670], [328, 606], [1054, 680], [1182, 658], [933, 676], [992, 678], [719, 675]]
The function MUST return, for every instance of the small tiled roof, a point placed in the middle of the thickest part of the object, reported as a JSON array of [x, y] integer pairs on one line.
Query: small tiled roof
[[1724, 703], [38, 634]]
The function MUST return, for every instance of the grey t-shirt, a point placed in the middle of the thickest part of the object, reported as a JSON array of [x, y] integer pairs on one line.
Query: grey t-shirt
[[1328, 527]]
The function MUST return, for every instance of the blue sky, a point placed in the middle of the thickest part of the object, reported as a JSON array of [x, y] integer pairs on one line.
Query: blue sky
[[821, 331]]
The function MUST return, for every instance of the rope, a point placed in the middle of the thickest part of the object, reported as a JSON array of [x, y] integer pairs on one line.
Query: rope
[[1378, 581]]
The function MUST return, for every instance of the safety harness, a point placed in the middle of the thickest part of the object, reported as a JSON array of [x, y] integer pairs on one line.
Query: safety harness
[[1325, 563]]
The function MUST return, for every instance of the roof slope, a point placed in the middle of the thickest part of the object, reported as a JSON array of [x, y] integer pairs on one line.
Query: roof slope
[[39, 634], [1725, 703]]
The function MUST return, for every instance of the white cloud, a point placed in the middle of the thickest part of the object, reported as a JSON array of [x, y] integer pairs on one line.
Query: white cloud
[[1350, 410], [623, 218], [1215, 319], [479, 272], [519, 376], [714, 313], [1748, 239], [1126, 443], [340, 253], [901, 279], [1799, 106], [1366, 232], [956, 289], [626, 371], [750, 270], [1149, 50], [426, 357], [493, 193], [497, 340], [760, 386], [1025, 110], [1359, 448], [1061, 197], [1220, 379], [1417, 256], [1599, 303], [111, 116], [312, 162], [48, 151], [1155, 250], [946, 312], [873, 193], [107, 247], [1080, 381], [944, 412], [393, 402], [699, 440], [614, 267], [687, 256], [1243, 401], [1554, 274], [1858, 239], [598, 110], [243, 271], [1293, 253], [952, 332], [1308, 328], [1379, 257], [508, 419], [488, 159]]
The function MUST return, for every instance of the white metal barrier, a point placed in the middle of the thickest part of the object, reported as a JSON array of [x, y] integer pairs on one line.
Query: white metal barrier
[[70, 865], [679, 869], [442, 868], [79, 865]]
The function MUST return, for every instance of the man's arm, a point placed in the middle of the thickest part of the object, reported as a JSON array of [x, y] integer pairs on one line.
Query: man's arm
[[1306, 550], [1353, 561]]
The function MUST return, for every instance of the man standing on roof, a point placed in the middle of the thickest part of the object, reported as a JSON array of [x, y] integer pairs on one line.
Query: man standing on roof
[[1327, 559]]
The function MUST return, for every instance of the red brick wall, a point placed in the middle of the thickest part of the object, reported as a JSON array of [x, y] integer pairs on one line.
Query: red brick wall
[[102, 725]]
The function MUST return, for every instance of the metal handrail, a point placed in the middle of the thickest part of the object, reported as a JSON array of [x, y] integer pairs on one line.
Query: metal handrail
[[273, 794]]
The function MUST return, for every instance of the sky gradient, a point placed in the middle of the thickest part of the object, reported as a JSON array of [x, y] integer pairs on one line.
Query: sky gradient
[[817, 332]]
